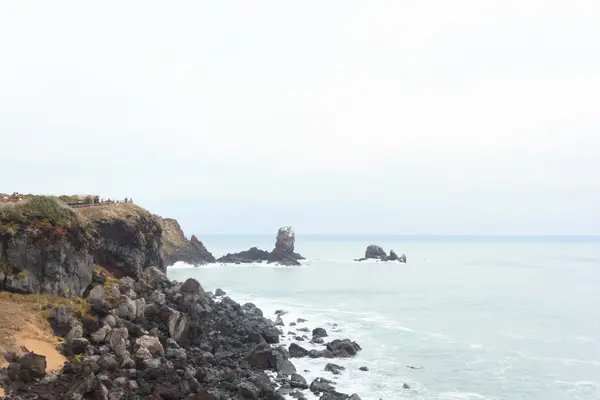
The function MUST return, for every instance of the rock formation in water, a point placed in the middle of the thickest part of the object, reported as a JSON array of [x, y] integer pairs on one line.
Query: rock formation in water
[[176, 247], [283, 253], [375, 252], [251, 255]]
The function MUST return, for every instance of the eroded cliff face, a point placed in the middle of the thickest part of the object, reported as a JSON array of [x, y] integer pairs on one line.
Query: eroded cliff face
[[176, 247], [126, 239], [46, 247], [42, 255]]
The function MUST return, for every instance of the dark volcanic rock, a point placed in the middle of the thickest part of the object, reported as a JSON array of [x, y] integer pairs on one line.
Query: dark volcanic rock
[[343, 348], [283, 253], [33, 366], [245, 257], [265, 357], [375, 252], [334, 368], [319, 332], [176, 247], [46, 262], [297, 351], [129, 245], [321, 385], [158, 339]]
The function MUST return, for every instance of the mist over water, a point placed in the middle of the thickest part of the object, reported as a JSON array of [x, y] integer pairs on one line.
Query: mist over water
[[488, 318]]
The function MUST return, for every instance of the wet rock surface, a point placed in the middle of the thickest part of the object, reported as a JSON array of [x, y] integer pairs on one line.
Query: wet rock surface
[[169, 340]]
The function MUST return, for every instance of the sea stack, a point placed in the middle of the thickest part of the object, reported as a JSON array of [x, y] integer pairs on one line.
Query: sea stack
[[283, 253]]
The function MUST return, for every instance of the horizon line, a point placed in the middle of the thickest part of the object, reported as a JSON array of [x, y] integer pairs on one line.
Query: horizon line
[[581, 235]]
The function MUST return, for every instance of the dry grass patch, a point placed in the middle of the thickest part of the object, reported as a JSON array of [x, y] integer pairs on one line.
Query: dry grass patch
[[113, 211]]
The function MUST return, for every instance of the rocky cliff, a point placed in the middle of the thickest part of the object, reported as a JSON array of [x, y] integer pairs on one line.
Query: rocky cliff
[[176, 247], [126, 238], [47, 247]]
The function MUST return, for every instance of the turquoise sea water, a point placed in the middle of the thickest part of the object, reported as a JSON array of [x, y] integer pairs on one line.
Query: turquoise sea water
[[484, 318]]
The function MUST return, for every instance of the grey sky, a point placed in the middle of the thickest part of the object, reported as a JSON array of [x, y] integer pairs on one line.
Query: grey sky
[[408, 117]]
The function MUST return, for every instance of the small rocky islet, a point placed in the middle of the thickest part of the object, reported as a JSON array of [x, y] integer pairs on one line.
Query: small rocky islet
[[131, 332], [179, 248], [375, 252]]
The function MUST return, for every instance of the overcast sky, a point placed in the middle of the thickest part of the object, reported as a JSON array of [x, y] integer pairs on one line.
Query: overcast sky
[[390, 117]]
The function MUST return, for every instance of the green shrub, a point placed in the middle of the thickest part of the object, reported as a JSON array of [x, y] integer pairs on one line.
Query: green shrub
[[49, 209], [45, 212]]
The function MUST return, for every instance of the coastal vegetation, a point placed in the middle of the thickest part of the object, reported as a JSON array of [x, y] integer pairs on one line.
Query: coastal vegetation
[[42, 212]]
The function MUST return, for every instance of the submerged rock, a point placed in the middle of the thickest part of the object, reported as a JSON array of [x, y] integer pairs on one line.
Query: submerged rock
[[334, 368]]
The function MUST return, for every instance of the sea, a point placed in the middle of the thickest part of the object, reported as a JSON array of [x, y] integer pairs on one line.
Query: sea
[[466, 318]]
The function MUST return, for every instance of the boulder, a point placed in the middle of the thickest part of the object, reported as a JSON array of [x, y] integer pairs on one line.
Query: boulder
[[192, 286], [219, 292], [321, 385], [75, 333], [297, 351], [248, 390], [33, 366], [334, 368], [298, 382], [61, 321], [343, 348], [126, 308], [96, 294], [319, 332], [156, 277], [118, 340], [265, 357], [150, 343]]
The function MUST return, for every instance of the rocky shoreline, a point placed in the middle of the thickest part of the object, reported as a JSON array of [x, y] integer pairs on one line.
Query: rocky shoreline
[[128, 332], [152, 338]]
